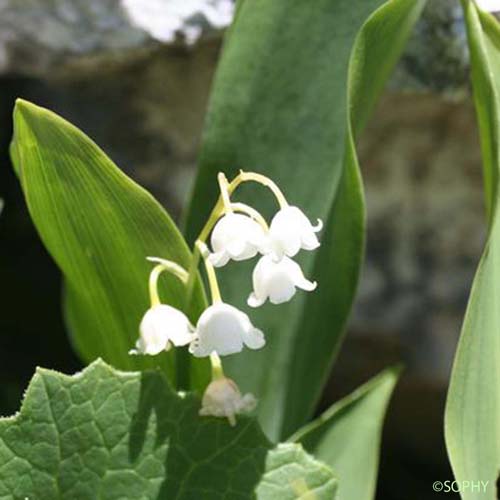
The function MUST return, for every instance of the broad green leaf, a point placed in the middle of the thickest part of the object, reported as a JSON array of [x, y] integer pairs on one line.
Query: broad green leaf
[[287, 78], [99, 226], [472, 420], [347, 436], [113, 435]]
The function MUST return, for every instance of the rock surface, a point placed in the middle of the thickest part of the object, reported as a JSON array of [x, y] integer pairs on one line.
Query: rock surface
[[51, 37], [55, 38]]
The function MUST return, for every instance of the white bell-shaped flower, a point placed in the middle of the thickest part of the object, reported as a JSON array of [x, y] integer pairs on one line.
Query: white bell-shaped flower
[[290, 231], [224, 329], [162, 326], [236, 237], [277, 281], [223, 398]]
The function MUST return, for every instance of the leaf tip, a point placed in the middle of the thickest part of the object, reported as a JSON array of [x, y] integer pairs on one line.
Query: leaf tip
[[23, 114], [24, 107], [29, 113], [395, 370]]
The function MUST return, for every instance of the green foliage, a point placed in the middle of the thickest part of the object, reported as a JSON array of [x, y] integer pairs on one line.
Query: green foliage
[[472, 420], [99, 226], [113, 435], [287, 78], [347, 436]]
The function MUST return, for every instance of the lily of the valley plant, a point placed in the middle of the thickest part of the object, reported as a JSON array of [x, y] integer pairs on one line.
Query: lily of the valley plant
[[237, 232]]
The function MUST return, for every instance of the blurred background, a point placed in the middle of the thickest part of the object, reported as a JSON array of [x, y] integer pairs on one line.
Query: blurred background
[[136, 76]]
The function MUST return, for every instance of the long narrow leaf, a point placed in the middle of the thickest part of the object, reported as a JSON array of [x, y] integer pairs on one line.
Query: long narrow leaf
[[472, 420], [347, 436], [99, 226], [287, 79]]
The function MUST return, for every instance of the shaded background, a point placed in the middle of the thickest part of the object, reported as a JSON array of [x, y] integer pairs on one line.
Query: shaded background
[[137, 81]]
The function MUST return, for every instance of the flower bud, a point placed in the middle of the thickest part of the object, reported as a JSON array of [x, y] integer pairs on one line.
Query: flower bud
[[222, 398]]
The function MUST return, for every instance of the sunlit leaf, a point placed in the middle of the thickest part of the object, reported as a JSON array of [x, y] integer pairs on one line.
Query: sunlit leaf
[[472, 423], [115, 435], [99, 226]]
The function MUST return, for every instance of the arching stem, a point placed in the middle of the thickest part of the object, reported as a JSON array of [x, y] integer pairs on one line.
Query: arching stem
[[163, 265], [212, 278], [251, 212], [265, 181], [224, 192]]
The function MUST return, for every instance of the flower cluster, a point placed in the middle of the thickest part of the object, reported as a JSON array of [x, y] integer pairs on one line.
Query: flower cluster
[[237, 232]]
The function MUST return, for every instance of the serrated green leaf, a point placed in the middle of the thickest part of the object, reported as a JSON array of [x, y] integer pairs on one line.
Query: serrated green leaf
[[99, 226], [114, 435], [280, 106], [472, 419], [347, 436]]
